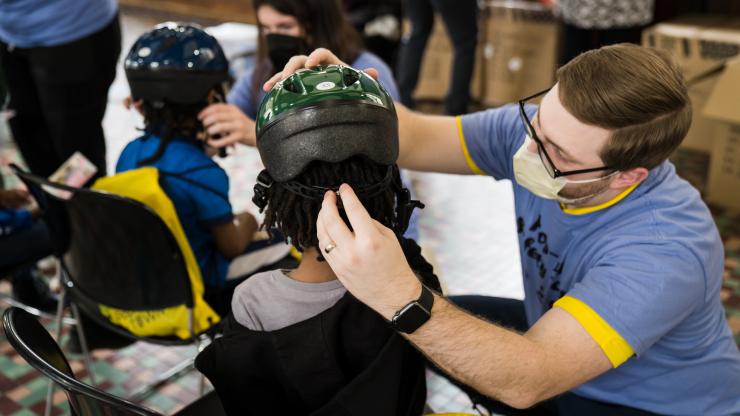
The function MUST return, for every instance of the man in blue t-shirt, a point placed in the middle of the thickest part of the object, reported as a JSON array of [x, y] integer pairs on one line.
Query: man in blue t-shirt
[[622, 263]]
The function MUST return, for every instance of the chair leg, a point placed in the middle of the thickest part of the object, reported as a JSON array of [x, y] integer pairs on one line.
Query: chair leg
[[202, 384], [9, 300], [58, 322], [198, 348], [83, 344], [142, 392], [179, 369]]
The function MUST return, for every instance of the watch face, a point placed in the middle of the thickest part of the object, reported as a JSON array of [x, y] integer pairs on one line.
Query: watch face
[[410, 318]]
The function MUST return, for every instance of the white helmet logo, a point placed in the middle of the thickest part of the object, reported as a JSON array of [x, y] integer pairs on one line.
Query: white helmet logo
[[326, 85]]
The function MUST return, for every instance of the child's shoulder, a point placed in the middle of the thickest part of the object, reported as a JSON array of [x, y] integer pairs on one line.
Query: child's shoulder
[[249, 295], [257, 285]]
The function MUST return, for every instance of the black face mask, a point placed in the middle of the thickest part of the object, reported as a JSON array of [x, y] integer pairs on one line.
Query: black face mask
[[280, 48]]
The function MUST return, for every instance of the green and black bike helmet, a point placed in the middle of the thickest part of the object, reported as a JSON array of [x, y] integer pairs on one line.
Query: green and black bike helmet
[[328, 113]]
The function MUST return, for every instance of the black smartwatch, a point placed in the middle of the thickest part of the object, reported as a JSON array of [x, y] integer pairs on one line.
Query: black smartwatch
[[412, 316]]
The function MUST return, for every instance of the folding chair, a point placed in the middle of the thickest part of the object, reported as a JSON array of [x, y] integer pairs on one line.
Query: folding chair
[[30, 339], [119, 254]]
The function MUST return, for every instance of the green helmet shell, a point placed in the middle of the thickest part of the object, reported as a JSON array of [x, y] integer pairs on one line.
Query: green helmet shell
[[327, 113]]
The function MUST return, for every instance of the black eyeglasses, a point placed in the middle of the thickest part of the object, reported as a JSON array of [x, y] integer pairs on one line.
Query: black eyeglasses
[[546, 160]]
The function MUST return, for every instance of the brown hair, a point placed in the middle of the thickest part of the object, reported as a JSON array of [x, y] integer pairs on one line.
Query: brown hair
[[636, 92], [325, 26]]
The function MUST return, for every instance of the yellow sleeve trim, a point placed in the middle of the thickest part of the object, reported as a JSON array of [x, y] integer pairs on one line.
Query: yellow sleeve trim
[[607, 204], [471, 163], [613, 345]]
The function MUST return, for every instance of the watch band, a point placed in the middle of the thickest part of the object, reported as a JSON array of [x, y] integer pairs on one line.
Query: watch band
[[426, 299], [415, 314]]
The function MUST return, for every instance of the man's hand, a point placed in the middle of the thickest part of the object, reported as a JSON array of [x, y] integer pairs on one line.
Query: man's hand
[[14, 199], [228, 121], [369, 261], [320, 56]]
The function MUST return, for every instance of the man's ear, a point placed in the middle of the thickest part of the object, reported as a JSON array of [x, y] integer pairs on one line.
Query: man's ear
[[629, 178]]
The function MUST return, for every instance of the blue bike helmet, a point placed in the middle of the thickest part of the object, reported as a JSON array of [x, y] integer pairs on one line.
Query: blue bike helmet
[[177, 63]]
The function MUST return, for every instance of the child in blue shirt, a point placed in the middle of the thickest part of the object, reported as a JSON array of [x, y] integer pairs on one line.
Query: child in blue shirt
[[23, 240], [174, 72]]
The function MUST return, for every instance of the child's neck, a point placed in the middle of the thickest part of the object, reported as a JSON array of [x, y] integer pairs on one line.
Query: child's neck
[[310, 270]]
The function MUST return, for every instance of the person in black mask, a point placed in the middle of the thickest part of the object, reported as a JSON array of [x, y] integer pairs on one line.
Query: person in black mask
[[288, 28]]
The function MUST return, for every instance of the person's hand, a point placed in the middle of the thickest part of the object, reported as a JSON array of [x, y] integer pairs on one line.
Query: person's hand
[[13, 199], [129, 102], [369, 261], [228, 122], [320, 56]]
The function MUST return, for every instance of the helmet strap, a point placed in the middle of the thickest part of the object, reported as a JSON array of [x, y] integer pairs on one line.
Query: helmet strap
[[404, 204], [317, 192], [264, 182]]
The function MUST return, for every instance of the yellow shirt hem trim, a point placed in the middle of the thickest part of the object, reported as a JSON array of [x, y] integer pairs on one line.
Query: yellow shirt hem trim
[[613, 345], [471, 163], [607, 204]]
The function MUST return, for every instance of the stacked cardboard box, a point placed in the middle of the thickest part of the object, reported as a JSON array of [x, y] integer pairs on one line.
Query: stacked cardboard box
[[436, 67], [704, 47], [723, 108], [520, 49], [699, 44], [516, 54]]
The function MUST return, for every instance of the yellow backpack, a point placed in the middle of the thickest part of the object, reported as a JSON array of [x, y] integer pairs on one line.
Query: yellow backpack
[[142, 185]]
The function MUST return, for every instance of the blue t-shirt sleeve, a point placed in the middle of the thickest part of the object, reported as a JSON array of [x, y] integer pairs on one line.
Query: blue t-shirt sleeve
[[212, 205], [644, 290], [385, 75], [492, 137], [241, 94], [14, 220], [127, 159]]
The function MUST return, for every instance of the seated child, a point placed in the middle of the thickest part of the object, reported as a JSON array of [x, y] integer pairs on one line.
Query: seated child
[[23, 240], [174, 72], [296, 341]]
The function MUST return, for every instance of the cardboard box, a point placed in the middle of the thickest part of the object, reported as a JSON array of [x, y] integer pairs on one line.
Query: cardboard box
[[698, 44], [436, 66], [520, 50], [723, 108]]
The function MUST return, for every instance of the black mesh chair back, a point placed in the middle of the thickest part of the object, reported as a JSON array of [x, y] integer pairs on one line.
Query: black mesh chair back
[[30, 339], [120, 253]]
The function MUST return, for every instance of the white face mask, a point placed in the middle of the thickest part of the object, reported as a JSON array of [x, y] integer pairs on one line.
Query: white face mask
[[530, 172]]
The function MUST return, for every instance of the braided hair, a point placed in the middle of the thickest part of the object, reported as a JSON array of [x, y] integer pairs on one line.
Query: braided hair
[[295, 216]]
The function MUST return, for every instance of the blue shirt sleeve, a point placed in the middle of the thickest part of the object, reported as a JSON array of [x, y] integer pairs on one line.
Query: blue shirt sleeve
[[385, 75], [241, 95], [127, 159], [14, 220], [30, 23], [212, 204], [492, 137], [644, 290]]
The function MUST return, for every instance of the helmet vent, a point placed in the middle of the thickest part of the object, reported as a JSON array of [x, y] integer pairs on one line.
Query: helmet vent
[[349, 77]]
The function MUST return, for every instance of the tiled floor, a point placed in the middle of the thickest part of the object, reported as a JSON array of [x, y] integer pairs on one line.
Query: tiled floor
[[467, 260]]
